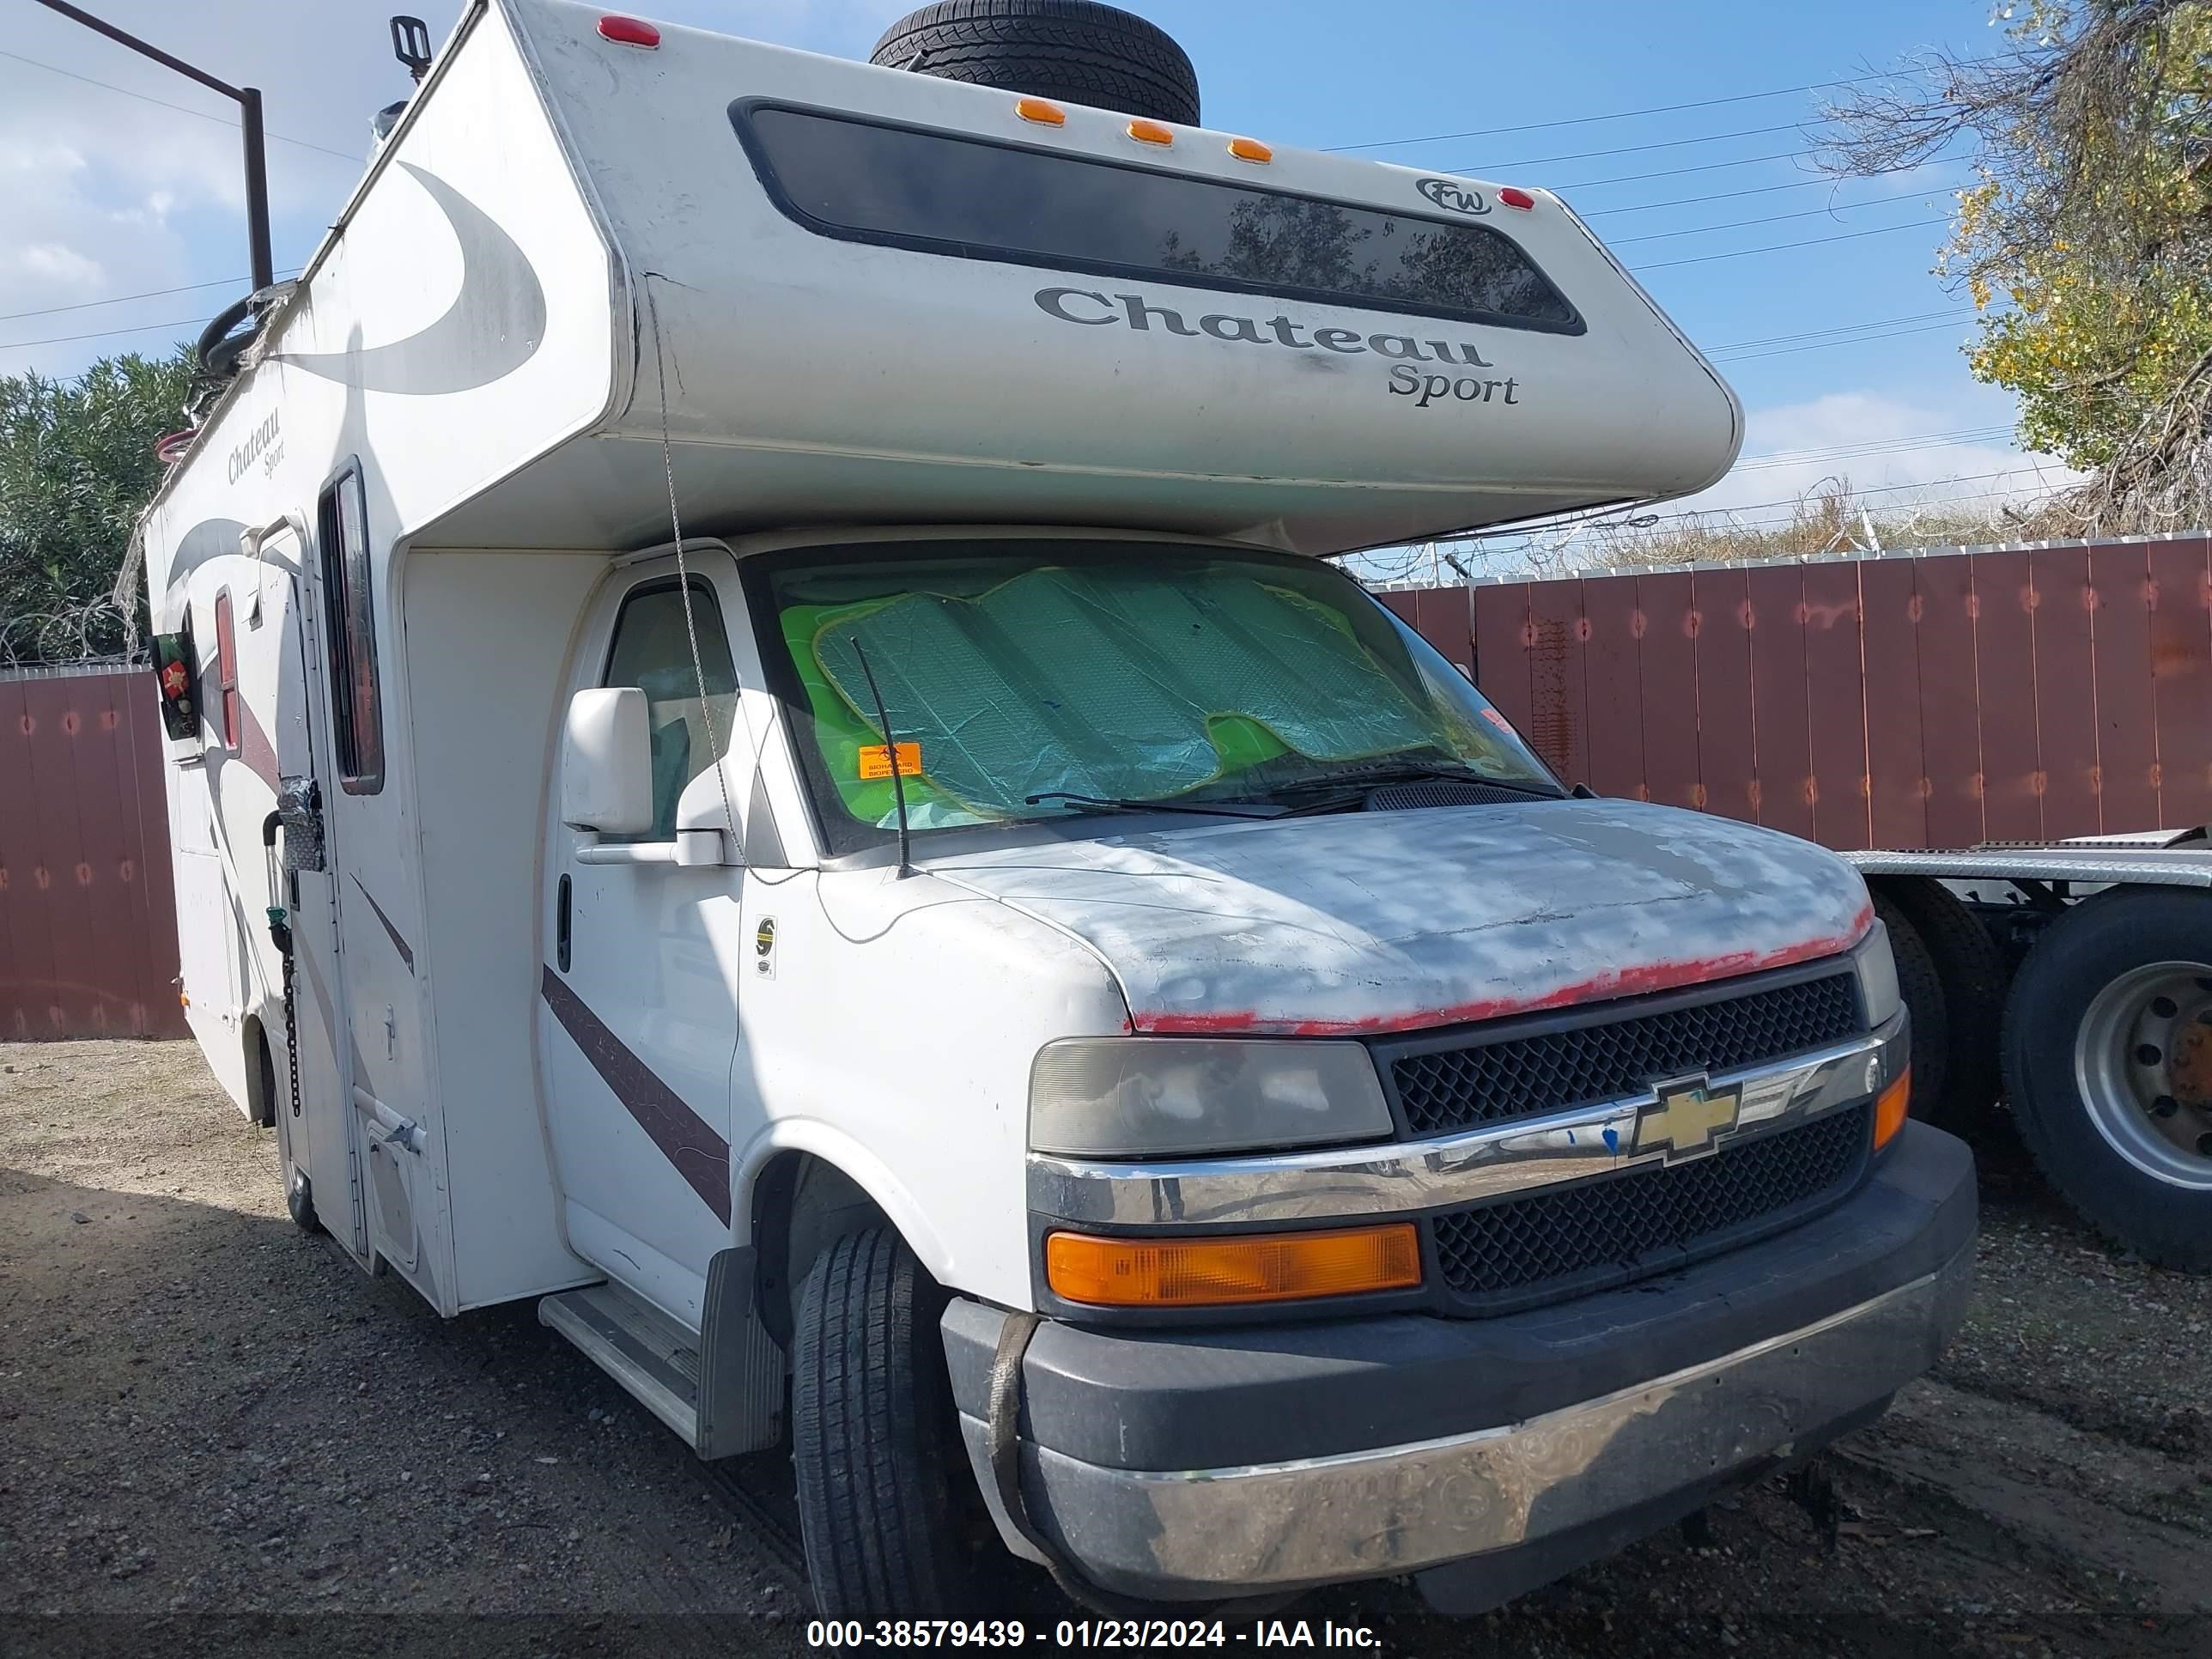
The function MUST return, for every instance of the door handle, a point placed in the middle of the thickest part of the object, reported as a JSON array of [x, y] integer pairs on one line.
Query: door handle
[[561, 925]]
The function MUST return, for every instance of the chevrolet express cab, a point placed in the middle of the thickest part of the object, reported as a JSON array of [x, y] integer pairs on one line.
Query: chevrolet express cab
[[770, 750]]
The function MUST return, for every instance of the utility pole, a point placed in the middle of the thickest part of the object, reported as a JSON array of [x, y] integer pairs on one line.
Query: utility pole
[[248, 100]]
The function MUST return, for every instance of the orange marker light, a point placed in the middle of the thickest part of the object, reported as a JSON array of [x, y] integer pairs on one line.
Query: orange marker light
[[1892, 1109], [1150, 132], [1203, 1272], [1044, 114], [1251, 149]]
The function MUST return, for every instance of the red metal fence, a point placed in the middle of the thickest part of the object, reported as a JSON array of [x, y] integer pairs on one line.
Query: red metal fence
[[1936, 700], [1931, 701], [87, 922]]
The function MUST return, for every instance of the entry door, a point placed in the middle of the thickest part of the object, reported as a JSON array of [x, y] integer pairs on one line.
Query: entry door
[[320, 1138], [637, 1015]]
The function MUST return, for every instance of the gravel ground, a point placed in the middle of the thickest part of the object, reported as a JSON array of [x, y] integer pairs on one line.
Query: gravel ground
[[217, 1436]]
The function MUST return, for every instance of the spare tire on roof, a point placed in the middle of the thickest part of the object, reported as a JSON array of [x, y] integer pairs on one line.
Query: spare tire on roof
[[1075, 51]]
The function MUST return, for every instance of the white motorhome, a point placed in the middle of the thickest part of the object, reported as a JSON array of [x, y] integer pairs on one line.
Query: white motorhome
[[768, 753]]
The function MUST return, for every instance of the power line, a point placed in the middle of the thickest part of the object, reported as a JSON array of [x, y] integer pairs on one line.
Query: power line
[[1756, 190], [1778, 247], [1833, 209], [1615, 115], [1656, 144], [181, 109], [1872, 448], [1842, 328], [1881, 489], [104, 334], [125, 298], [1822, 345]]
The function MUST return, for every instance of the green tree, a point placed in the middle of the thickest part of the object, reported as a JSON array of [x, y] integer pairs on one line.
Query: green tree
[[77, 466], [2087, 242]]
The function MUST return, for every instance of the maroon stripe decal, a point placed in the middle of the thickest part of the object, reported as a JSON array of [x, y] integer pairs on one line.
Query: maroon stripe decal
[[254, 747], [701, 1156], [398, 943]]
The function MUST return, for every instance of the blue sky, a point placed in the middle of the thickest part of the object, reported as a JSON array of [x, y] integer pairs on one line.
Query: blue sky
[[104, 195]]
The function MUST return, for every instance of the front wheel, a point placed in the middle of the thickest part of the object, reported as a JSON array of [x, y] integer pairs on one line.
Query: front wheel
[[2108, 1065], [875, 1438]]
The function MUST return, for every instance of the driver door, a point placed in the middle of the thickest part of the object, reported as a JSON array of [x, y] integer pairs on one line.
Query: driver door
[[638, 1023]]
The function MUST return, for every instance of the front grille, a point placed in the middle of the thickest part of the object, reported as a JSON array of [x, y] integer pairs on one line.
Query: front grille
[[1449, 1089], [1517, 1251]]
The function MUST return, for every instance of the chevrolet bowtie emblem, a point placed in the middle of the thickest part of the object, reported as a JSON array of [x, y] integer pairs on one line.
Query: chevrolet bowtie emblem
[[1690, 1112]]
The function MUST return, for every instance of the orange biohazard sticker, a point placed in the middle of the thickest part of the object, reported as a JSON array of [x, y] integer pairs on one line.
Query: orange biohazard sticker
[[876, 761]]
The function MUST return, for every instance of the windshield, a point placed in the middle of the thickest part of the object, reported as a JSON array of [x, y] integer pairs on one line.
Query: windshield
[[1016, 675]]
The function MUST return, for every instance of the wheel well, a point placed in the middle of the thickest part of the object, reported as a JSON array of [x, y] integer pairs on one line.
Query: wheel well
[[260, 1075], [802, 1205]]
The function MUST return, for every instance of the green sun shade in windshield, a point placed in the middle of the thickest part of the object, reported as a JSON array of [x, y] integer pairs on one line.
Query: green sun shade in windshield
[[1125, 685]]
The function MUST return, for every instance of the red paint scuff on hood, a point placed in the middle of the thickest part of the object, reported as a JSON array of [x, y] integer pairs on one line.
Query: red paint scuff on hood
[[1599, 987]]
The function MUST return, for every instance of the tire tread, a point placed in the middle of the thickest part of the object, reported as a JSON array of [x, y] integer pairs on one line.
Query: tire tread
[[863, 1382], [1076, 50]]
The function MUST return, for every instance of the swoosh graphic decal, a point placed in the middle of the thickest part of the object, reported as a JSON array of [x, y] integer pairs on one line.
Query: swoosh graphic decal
[[701, 1156], [494, 325], [210, 539]]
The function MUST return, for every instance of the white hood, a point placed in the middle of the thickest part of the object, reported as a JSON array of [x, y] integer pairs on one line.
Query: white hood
[[1386, 921]]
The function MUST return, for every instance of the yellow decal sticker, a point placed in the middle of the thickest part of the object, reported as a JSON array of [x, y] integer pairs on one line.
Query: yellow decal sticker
[[876, 761]]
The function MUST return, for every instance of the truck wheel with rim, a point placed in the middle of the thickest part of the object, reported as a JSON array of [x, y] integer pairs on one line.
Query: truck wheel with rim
[[1075, 51], [1919, 982], [2108, 1065], [1970, 969], [875, 1438]]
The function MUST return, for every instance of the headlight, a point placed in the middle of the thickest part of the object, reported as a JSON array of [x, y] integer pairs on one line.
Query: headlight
[[1878, 977], [1134, 1096]]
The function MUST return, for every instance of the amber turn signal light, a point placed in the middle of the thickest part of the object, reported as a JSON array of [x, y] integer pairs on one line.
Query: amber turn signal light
[[1891, 1109], [1150, 132], [1213, 1272], [1037, 110]]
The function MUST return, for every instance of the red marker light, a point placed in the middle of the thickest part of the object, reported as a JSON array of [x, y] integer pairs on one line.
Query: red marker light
[[1511, 196], [628, 32]]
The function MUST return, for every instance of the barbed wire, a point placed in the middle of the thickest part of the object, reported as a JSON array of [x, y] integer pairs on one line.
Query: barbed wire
[[96, 630]]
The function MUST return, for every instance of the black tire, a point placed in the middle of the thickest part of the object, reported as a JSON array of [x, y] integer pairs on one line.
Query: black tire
[[875, 1438], [1972, 971], [1923, 989], [1076, 51], [2076, 958], [300, 1202]]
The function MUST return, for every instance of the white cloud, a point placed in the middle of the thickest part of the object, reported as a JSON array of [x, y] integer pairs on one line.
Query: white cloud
[[1897, 453], [110, 193]]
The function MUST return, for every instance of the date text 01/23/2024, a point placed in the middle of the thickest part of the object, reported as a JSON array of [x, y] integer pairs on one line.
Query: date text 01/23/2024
[[1086, 1633]]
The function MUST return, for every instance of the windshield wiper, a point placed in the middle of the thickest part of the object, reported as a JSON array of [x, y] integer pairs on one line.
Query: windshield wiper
[[1104, 804], [1358, 781]]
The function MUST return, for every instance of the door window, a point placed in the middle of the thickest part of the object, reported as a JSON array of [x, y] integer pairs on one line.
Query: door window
[[356, 720], [652, 650]]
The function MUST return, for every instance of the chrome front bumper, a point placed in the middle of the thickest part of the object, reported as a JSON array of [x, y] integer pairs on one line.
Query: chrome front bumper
[[1693, 1382]]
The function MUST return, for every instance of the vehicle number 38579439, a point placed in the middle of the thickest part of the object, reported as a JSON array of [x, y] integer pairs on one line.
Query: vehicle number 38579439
[[1082, 1633]]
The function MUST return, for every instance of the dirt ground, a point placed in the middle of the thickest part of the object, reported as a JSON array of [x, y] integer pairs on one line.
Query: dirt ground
[[217, 1436]]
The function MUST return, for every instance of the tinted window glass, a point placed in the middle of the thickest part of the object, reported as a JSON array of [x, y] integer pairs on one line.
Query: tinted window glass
[[356, 720], [653, 650], [979, 200]]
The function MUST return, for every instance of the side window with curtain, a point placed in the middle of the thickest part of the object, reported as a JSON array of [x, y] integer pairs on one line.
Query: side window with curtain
[[349, 630], [652, 650]]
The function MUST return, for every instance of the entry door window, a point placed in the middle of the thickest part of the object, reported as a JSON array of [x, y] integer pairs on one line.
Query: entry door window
[[652, 650]]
